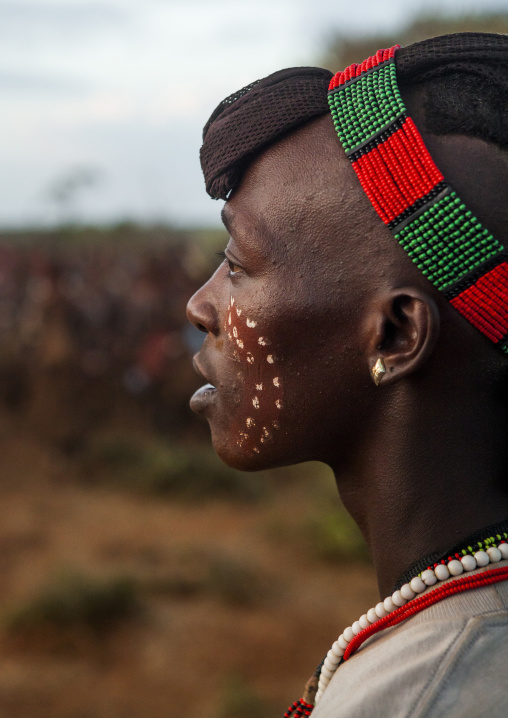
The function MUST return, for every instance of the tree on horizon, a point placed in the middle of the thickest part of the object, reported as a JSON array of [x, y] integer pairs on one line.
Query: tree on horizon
[[342, 50]]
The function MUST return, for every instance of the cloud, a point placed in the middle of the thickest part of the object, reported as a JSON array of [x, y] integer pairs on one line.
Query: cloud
[[31, 20], [35, 85], [128, 84]]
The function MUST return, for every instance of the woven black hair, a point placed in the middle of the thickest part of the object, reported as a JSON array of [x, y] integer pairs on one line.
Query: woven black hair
[[465, 76], [466, 83]]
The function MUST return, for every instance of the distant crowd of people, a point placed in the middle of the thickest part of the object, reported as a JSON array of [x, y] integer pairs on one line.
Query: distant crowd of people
[[106, 305]]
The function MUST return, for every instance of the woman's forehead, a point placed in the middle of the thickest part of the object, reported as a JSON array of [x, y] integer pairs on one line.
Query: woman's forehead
[[300, 202], [295, 174], [302, 191]]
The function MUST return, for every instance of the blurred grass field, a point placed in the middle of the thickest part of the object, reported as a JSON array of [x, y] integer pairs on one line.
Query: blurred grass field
[[139, 575]]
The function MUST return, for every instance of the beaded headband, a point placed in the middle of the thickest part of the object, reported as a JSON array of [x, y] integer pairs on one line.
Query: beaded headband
[[409, 193]]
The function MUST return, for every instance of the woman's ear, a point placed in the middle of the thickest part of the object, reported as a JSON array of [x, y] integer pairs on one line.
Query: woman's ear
[[403, 327]]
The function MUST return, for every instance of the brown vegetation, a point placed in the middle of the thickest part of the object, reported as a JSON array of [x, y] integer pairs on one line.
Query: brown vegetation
[[139, 575], [343, 50]]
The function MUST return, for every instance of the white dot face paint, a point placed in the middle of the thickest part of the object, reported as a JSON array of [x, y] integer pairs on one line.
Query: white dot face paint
[[256, 380], [228, 315], [266, 435]]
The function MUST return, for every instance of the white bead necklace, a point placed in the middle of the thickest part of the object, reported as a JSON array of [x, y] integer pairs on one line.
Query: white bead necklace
[[418, 584]]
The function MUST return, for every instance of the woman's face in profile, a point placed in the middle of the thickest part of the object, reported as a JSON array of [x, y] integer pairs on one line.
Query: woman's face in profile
[[281, 319]]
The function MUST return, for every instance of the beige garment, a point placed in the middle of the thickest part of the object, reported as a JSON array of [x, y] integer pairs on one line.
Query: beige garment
[[449, 661]]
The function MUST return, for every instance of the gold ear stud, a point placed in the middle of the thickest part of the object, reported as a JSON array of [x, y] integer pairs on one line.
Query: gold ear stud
[[378, 370]]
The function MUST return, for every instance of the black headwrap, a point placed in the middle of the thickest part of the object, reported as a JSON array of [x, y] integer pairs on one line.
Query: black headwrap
[[263, 112], [253, 118]]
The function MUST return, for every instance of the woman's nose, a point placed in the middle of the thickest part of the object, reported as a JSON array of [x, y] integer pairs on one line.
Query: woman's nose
[[201, 311]]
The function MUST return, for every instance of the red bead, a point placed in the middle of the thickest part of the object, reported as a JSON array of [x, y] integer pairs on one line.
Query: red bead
[[465, 583], [487, 311]]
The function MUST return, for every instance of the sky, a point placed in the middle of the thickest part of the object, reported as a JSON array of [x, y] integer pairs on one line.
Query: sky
[[102, 102]]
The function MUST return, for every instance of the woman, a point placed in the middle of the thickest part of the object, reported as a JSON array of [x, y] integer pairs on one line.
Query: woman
[[360, 318]]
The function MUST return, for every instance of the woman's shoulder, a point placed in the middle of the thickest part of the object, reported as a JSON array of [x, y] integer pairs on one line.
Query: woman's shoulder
[[447, 661]]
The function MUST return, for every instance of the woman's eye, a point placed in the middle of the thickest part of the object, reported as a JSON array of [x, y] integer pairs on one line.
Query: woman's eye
[[234, 268]]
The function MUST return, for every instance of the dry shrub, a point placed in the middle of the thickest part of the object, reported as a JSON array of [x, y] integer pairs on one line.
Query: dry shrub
[[72, 602], [162, 468], [240, 700], [332, 535]]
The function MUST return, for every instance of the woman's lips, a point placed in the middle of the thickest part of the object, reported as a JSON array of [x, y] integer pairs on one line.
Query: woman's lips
[[202, 398]]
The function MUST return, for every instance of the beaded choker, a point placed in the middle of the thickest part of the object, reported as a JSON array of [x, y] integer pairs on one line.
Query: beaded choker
[[406, 602], [409, 193]]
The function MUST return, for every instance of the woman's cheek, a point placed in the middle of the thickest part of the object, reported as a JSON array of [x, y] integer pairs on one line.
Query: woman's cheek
[[261, 410]]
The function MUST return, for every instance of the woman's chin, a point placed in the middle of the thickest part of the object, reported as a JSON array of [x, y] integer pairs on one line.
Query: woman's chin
[[240, 458]]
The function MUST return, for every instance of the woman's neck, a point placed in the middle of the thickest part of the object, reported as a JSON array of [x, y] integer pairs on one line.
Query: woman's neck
[[426, 479]]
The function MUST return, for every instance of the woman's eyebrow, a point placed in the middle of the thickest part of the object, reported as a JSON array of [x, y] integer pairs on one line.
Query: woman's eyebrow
[[226, 218]]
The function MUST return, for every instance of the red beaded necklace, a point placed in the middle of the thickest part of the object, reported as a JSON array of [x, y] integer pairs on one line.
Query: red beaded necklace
[[459, 585], [488, 577]]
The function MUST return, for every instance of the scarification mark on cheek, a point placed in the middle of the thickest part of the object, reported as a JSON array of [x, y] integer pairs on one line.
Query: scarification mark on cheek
[[266, 435], [248, 346], [232, 332]]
